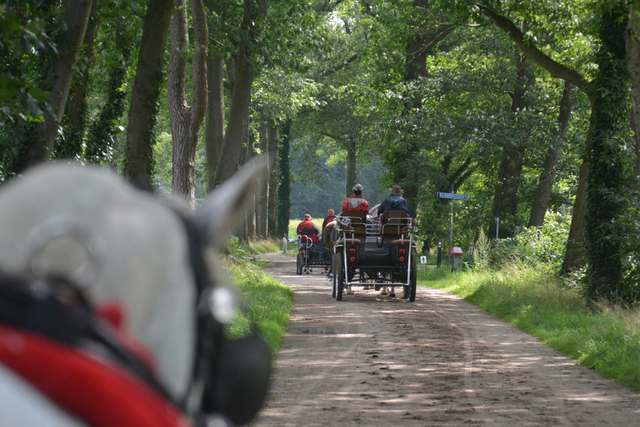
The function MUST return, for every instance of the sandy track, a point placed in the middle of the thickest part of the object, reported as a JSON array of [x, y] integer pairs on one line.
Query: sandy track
[[373, 360]]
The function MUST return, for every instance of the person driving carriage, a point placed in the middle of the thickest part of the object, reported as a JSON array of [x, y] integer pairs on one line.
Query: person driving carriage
[[356, 202], [395, 202], [308, 224]]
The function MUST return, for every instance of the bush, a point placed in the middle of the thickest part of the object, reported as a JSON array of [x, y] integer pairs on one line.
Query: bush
[[541, 247]]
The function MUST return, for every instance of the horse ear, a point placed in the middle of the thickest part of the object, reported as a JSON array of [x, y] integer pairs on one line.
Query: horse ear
[[226, 205]]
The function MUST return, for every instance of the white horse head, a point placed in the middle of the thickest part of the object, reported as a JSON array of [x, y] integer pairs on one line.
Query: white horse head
[[138, 243]]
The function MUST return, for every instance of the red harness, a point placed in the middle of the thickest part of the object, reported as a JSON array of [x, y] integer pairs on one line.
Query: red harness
[[97, 391]]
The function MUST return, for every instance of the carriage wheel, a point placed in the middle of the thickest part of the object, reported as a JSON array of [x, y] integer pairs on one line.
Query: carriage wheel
[[299, 263], [338, 275], [334, 278], [410, 291]]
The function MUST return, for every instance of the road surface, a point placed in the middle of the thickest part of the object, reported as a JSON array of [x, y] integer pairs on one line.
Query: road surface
[[373, 360]]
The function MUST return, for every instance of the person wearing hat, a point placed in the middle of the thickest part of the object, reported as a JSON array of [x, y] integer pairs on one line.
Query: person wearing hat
[[356, 202], [395, 202], [307, 223]]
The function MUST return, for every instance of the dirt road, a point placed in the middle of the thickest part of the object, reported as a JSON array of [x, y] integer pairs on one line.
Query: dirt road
[[373, 360]]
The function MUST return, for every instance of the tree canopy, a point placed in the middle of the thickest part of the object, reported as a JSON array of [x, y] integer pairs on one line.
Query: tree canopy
[[527, 107]]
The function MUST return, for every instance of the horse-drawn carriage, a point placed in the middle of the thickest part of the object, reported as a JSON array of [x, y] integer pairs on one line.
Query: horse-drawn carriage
[[376, 254], [311, 253]]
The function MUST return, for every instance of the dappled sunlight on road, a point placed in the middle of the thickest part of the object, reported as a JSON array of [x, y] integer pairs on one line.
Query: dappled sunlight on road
[[378, 360]]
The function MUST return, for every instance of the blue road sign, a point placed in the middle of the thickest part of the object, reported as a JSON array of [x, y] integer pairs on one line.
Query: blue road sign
[[453, 196]]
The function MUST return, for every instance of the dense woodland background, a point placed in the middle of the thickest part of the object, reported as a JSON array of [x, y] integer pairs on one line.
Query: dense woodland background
[[528, 107]]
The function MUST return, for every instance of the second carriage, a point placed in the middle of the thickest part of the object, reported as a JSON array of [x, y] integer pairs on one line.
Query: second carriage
[[311, 254], [376, 254]]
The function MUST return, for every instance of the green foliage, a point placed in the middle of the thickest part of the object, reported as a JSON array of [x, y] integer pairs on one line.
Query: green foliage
[[629, 225], [21, 39], [537, 247], [605, 338]]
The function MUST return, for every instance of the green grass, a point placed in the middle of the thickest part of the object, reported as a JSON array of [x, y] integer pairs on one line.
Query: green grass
[[268, 301], [604, 338], [264, 245]]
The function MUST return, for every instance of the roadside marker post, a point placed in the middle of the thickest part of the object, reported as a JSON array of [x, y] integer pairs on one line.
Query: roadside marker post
[[453, 197]]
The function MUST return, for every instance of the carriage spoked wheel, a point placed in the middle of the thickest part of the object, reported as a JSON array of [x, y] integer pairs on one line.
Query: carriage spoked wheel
[[338, 275], [410, 290], [299, 263], [335, 259]]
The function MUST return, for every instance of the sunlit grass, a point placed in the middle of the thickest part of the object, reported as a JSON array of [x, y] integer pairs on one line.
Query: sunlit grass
[[603, 337], [264, 245], [268, 301]]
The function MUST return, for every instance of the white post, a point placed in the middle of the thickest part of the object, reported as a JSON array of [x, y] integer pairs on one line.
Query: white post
[[284, 245]]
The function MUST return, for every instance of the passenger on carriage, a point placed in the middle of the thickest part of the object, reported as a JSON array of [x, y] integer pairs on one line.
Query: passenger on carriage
[[356, 202], [331, 216], [395, 202], [309, 229]]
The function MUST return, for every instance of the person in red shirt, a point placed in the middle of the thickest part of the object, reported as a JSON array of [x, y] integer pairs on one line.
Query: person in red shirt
[[307, 223], [356, 202], [331, 216]]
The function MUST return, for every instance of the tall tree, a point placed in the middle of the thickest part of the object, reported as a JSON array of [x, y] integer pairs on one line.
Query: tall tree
[[244, 73], [272, 151], [76, 16], [542, 195], [74, 120], [215, 115], [603, 173], [603, 155], [186, 120], [284, 189], [146, 91]]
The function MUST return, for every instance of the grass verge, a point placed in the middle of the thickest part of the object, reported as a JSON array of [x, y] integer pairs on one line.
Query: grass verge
[[267, 300], [604, 337]]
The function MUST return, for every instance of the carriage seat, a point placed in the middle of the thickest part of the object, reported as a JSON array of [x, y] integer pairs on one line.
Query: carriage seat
[[353, 234], [395, 217], [305, 234], [396, 226], [355, 216]]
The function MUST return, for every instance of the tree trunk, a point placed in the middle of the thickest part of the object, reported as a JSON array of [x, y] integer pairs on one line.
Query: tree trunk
[[77, 14], [70, 146], [284, 189], [262, 196], [274, 143], [605, 178], [574, 255], [146, 91], [186, 120], [505, 200], [238, 125], [248, 230], [214, 121], [351, 167], [545, 183]]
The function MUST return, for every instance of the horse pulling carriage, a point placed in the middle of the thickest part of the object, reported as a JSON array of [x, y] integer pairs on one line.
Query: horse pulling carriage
[[380, 254], [311, 254]]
